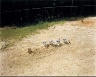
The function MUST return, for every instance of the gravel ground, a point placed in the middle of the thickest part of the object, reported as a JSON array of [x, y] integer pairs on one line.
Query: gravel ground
[[75, 59]]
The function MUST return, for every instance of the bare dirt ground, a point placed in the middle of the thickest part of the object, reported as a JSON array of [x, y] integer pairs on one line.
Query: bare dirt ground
[[76, 59]]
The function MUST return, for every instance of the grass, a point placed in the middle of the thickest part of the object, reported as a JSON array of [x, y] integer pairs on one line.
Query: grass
[[13, 35]]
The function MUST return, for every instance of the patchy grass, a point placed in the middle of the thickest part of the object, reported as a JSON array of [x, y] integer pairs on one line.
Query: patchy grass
[[13, 35], [57, 45]]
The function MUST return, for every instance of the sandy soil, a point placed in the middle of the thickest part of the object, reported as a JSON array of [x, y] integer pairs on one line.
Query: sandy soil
[[76, 59]]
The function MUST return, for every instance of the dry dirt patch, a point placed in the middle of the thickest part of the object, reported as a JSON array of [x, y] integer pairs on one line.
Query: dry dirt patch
[[78, 58], [89, 22]]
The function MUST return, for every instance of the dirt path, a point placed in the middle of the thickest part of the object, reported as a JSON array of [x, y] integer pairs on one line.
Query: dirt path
[[76, 59]]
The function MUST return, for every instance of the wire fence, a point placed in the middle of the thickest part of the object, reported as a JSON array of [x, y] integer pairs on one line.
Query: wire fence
[[49, 8], [45, 13]]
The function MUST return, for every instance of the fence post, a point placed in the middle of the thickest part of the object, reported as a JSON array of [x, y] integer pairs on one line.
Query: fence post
[[72, 8], [0, 13], [95, 7]]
